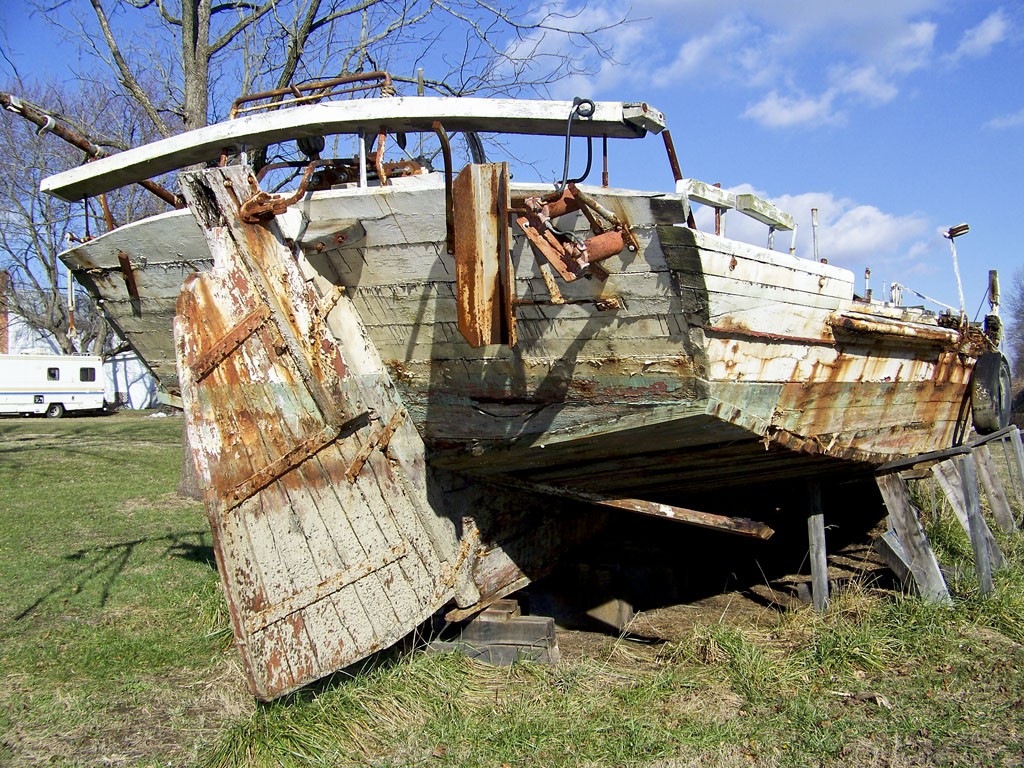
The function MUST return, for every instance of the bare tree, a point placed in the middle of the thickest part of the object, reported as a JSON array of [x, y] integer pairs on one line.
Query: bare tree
[[35, 228], [180, 59], [1015, 328]]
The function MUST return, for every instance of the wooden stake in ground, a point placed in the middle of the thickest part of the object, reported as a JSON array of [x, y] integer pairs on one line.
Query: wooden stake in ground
[[816, 542]]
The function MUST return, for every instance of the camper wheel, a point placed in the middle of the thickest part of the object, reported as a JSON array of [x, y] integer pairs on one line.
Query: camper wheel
[[54, 411], [990, 393]]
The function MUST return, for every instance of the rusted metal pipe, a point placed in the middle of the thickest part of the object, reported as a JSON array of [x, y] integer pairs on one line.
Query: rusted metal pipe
[[107, 215], [604, 156], [47, 124], [449, 198], [673, 159], [302, 94], [604, 246]]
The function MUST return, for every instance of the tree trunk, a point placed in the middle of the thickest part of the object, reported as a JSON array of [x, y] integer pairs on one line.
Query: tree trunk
[[195, 61]]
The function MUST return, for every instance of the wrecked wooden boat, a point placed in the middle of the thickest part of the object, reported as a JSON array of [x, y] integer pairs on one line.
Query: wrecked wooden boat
[[409, 390]]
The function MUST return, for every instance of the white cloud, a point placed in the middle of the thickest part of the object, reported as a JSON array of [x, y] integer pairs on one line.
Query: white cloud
[[979, 41], [850, 234], [814, 60], [1015, 120], [710, 52], [866, 82], [777, 111], [907, 48]]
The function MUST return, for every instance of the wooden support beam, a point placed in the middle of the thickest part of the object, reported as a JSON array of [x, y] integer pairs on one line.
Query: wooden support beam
[[986, 551], [890, 549], [919, 555], [994, 490], [1017, 466], [816, 547], [958, 480], [739, 525]]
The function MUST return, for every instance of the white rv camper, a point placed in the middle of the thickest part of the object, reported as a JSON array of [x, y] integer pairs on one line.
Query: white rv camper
[[50, 384]]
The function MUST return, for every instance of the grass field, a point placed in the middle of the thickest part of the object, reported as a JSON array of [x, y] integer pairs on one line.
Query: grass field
[[114, 650]]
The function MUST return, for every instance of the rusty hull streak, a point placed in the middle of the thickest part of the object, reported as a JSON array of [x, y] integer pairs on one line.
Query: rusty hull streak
[[230, 342], [732, 328]]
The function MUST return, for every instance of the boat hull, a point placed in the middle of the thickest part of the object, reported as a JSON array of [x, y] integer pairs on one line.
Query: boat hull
[[364, 465]]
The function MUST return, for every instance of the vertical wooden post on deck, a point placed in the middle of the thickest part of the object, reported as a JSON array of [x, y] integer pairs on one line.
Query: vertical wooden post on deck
[[816, 547]]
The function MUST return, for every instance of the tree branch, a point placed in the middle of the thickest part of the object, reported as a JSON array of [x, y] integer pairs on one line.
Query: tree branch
[[128, 79], [242, 24]]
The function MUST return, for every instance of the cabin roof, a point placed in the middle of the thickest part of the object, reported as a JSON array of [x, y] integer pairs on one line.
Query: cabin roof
[[394, 114]]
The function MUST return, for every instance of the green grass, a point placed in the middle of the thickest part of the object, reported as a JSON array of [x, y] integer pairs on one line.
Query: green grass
[[114, 650], [107, 586]]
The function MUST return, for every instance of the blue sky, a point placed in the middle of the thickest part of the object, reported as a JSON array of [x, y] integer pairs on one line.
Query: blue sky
[[896, 119]]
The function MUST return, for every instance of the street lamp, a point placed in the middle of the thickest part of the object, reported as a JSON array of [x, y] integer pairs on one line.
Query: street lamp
[[952, 234]]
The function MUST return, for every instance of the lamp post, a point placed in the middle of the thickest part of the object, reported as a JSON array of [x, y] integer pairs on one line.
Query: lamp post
[[952, 234]]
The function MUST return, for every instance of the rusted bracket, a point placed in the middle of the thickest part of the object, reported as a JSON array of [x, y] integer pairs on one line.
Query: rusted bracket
[[570, 255], [260, 479], [128, 272], [449, 198], [330, 300], [231, 341], [380, 439], [378, 159], [738, 525], [263, 205]]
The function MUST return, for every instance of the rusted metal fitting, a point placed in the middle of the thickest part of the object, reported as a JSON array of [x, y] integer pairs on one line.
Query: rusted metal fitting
[[604, 246], [569, 254], [561, 205], [263, 205], [308, 93]]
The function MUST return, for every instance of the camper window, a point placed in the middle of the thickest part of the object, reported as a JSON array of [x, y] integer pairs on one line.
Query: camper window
[[53, 374], [87, 374]]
